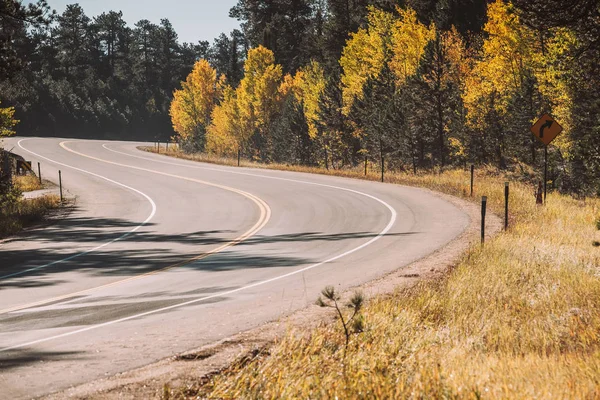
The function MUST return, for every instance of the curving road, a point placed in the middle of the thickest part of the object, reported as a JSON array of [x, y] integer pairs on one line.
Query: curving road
[[161, 255]]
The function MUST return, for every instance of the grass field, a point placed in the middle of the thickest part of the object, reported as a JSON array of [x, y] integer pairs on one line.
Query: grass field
[[518, 318]]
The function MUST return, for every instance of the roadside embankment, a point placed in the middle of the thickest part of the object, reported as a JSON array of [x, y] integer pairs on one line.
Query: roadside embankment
[[27, 203]]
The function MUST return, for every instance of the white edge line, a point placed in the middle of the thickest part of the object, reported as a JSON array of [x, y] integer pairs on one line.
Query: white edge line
[[229, 292], [227, 171], [221, 294], [138, 227]]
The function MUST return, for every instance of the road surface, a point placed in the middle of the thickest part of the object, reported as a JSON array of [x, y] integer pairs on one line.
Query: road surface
[[162, 255]]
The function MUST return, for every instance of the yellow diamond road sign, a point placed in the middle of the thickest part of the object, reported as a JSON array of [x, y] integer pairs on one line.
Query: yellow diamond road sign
[[546, 129]]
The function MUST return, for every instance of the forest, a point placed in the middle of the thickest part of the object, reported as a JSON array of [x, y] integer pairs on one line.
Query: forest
[[76, 75], [409, 85]]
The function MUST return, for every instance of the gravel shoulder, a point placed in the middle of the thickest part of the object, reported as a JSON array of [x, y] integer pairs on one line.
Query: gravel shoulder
[[41, 193]]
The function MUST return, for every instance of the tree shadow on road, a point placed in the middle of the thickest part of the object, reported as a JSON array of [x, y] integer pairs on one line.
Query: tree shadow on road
[[22, 357], [144, 251]]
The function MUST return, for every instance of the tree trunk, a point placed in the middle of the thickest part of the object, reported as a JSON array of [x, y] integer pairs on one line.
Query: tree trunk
[[440, 122], [381, 156]]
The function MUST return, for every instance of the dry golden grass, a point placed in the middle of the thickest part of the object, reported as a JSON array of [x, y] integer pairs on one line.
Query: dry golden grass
[[24, 212], [27, 183], [518, 318]]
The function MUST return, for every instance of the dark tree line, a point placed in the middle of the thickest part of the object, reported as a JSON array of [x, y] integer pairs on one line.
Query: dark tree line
[[71, 74], [300, 31]]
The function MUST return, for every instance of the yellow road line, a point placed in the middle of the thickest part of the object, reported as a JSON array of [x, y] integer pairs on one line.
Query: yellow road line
[[265, 216]]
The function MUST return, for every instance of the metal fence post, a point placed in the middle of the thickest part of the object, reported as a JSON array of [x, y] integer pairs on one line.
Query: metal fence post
[[483, 212], [60, 185], [506, 194], [472, 178]]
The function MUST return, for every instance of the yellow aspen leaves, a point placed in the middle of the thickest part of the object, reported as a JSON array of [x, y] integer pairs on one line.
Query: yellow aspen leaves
[[554, 75], [387, 39], [226, 133], [458, 58], [250, 108], [364, 55], [509, 55], [509, 50], [289, 86], [258, 91], [193, 104], [7, 121], [409, 38], [310, 85]]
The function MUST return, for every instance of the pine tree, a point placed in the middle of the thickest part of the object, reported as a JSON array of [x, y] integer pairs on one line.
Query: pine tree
[[226, 56], [335, 140], [378, 111], [73, 39], [292, 143], [283, 26], [439, 84], [15, 20]]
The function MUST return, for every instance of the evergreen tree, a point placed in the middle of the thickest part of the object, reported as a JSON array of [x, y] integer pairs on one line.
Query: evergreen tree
[[15, 20], [226, 56], [290, 134], [335, 139], [283, 26], [379, 114]]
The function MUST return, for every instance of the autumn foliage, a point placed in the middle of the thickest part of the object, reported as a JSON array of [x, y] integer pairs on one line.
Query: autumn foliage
[[7, 121], [406, 94], [193, 104]]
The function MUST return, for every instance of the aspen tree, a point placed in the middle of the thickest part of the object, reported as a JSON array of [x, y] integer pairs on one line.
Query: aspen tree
[[193, 104], [503, 72], [364, 55]]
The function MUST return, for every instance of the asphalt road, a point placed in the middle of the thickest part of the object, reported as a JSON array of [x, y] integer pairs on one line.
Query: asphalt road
[[161, 255]]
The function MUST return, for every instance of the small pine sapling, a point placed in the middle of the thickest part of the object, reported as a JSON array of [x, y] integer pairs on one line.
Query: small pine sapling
[[353, 323]]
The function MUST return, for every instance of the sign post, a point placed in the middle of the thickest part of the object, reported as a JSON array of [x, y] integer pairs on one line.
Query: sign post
[[60, 185], [483, 213], [506, 195], [472, 178], [545, 173], [546, 129]]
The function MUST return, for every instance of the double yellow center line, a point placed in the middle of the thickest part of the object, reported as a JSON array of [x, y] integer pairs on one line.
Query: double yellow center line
[[265, 216]]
